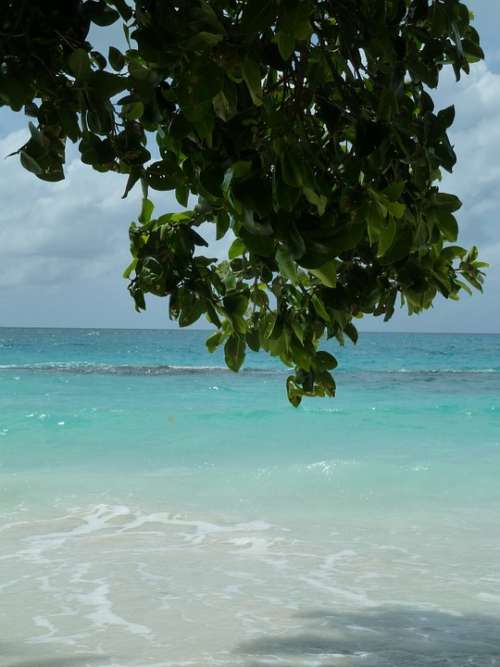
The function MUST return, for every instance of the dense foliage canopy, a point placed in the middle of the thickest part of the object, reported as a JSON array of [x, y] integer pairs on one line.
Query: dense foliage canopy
[[305, 129]]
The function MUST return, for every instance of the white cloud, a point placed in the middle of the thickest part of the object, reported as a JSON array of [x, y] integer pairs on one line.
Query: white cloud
[[476, 137], [76, 229], [61, 232], [475, 96]]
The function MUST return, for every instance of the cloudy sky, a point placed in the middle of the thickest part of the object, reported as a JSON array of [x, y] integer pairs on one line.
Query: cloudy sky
[[63, 246]]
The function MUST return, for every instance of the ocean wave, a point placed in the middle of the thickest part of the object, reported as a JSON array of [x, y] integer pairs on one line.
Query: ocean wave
[[121, 519], [88, 368], [445, 371], [85, 368]]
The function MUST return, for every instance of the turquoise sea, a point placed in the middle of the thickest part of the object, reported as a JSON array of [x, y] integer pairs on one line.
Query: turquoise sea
[[158, 510]]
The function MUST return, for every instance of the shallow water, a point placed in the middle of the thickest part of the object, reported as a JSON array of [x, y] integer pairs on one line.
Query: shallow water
[[158, 510]]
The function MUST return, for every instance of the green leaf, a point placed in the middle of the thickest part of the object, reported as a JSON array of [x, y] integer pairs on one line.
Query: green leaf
[[236, 170], [254, 227], [473, 52], [69, 123], [268, 325], [236, 304], [449, 202], [159, 176], [447, 224], [236, 249], [293, 391], [257, 15], [203, 41], [375, 221], [386, 237], [98, 59], [100, 13], [394, 190], [30, 163], [446, 117], [298, 330], [126, 32], [453, 252], [252, 340], [286, 264], [302, 356], [234, 352], [107, 84], [191, 307], [327, 383], [133, 111], [182, 194], [320, 201], [116, 59], [396, 209], [130, 268], [351, 331], [327, 273], [222, 224], [134, 176], [146, 211], [295, 242], [465, 287], [224, 108], [227, 276], [241, 168], [292, 170], [252, 77], [296, 19], [400, 247], [214, 341], [326, 360], [320, 309], [79, 63], [286, 44], [125, 11]]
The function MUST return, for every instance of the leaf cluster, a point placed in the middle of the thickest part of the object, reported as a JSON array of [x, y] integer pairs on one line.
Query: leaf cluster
[[305, 129]]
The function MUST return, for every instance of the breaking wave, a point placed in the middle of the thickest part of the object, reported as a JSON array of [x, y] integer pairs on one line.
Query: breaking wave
[[87, 368], [83, 368]]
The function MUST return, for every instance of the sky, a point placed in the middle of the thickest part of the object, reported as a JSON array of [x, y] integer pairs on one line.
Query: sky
[[63, 246]]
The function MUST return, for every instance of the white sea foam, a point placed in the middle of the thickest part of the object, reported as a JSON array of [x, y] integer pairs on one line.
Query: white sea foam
[[12, 582], [52, 636], [331, 561], [430, 371], [103, 614], [103, 519], [489, 597], [326, 467], [95, 521], [343, 594], [252, 545]]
